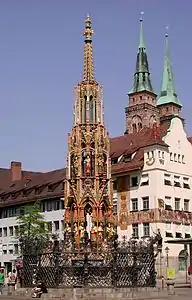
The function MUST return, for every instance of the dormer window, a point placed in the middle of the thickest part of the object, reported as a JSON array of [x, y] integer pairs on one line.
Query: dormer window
[[144, 179], [127, 158], [114, 160]]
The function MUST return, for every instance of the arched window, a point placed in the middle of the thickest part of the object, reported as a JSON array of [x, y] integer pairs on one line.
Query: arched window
[[140, 125], [134, 126], [85, 108], [81, 111], [91, 108]]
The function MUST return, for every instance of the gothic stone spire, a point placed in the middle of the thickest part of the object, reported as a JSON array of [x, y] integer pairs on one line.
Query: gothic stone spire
[[88, 184], [88, 73]]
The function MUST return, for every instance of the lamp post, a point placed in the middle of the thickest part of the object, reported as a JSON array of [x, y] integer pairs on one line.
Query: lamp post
[[167, 255]]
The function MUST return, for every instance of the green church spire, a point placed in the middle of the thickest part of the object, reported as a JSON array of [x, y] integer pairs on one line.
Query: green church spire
[[168, 94], [142, 80]]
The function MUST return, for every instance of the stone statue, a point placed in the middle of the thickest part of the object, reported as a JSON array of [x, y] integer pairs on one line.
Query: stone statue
[[76, 232], [93, 233], [110, 231], [101, 163], [67, 231], [88, 164], [82, 230], [75, 165], [100, 232]]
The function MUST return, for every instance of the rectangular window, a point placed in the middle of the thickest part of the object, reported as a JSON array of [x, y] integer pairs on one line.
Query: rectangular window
[[56, 205], [168, 226], [168, 203], [115, 185], [135, 231], [43, 206], [62, 225], [186, 183], [144, 179], [62, 204], [56, 224], [16, 249], [115, 209], [177, 181], [11, 230], [49, 206], [167, 179], [134, 204], [186, 205], [4, 252], [4, 231], [16, 230], [177, 203], [178, 235], [146, 230], [145, 203], [134, 181], [0, 232]]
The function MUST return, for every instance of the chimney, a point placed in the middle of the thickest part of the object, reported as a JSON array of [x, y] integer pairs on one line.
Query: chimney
[[16, 170]]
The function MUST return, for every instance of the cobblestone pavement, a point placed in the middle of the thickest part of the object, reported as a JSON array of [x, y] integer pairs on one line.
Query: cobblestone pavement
[[178, 293]]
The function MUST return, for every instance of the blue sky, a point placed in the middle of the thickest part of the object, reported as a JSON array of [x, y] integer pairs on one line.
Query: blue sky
[[41, 59]]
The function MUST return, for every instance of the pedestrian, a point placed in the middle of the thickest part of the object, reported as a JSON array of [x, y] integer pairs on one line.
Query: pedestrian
[[2, 280], [12, 279]]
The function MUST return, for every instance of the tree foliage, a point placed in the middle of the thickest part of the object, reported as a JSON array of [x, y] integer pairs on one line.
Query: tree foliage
[[33, 232]]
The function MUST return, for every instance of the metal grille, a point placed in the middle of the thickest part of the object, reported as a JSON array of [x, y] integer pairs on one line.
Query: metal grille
[[129, 264]]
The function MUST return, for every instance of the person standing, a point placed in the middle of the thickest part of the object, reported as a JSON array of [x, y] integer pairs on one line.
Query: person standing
[[12, 279], [2, 280]]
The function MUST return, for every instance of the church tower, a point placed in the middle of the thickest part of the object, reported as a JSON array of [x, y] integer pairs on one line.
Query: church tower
[[88, 184], [168, 102], [141, 111]]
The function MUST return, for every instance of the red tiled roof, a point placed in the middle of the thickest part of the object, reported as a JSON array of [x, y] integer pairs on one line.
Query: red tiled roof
[[127, 144], [190, 139]]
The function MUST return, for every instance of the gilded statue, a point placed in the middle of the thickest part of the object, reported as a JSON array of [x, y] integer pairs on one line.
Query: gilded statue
[[101, 164], [93, 233], [100, 232], [82, 230], [67, 231], [110, 231]]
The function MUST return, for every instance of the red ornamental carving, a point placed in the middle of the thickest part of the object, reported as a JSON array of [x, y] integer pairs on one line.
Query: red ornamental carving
[[67, 213], [75, 212]]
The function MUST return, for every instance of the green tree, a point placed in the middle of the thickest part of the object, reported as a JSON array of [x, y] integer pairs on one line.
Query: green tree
[[33, 231]]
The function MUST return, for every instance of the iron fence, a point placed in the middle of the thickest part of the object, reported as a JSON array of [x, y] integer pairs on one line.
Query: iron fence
[[128, 264]]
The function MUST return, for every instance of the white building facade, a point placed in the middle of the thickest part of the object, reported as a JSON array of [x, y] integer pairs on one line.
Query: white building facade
[[52, 210]]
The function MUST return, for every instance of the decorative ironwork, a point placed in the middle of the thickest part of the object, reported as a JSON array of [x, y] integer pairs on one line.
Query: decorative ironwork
[[118, 264]]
